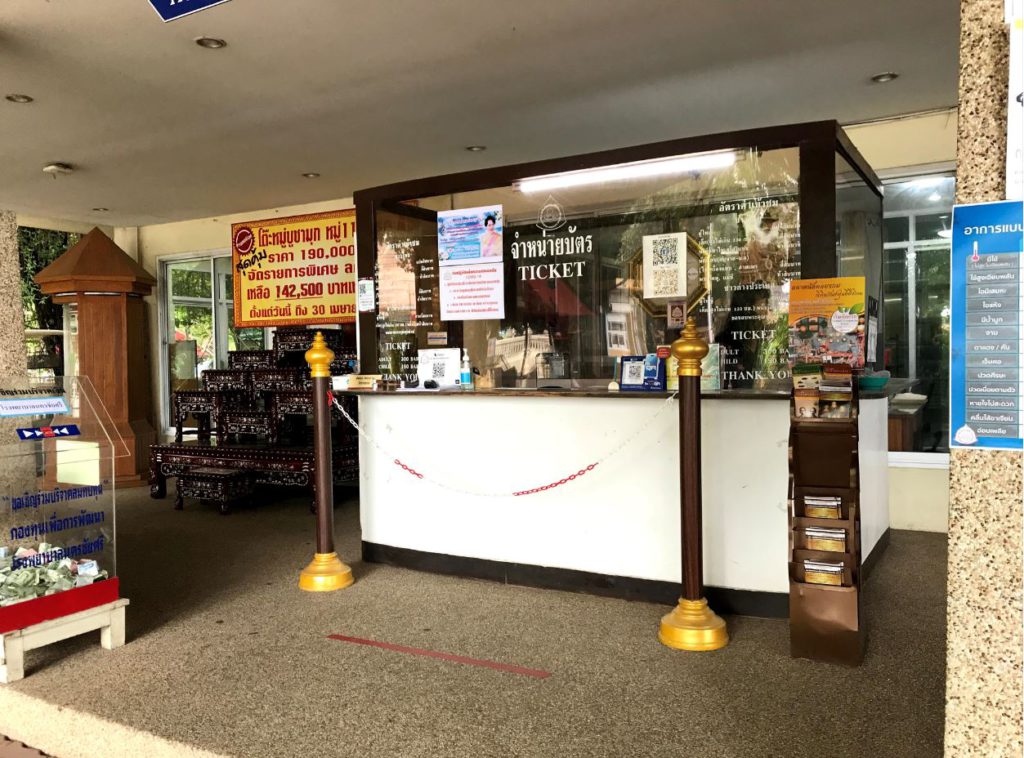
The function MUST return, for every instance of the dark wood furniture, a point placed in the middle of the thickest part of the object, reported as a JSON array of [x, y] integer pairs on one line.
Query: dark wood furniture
[[251, 359], [292, 342], [233, 380], [275, 465], [202, 405], [223, 486], [264, 380], [237, 422], [253, 398], [826, 622]]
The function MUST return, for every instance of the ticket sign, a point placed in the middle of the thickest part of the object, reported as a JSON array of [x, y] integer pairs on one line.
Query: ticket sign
[[987, 339], [295, 271]]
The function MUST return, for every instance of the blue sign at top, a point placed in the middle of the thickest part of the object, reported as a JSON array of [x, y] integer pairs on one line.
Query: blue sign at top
[[172, 9], [986, 346]]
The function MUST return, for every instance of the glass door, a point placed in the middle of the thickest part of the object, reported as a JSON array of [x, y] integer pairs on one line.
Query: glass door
[[190, 329]]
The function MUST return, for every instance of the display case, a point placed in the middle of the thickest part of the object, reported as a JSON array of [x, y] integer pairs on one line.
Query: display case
[[58, 552], [584, 258]]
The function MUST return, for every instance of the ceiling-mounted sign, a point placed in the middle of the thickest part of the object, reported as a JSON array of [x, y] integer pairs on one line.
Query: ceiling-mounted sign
[[295, 271], [172, 9]]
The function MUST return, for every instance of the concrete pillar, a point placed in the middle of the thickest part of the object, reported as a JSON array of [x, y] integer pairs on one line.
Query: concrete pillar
[[984, 637], [13, 360]]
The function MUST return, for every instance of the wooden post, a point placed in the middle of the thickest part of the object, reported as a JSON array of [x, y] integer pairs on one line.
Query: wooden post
[[325, 572], [692, 625]]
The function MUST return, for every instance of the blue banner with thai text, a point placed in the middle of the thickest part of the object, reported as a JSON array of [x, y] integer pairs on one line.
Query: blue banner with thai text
[[986, 344]]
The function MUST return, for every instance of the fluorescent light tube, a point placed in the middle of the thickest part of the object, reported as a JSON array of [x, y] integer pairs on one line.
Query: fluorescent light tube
[[623, 171]]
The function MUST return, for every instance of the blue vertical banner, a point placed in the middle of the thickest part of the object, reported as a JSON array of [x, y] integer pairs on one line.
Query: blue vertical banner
[[172, 9], [986, 362]]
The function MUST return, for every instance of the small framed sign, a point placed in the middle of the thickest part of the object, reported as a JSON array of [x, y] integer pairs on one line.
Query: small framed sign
[[643, 373]]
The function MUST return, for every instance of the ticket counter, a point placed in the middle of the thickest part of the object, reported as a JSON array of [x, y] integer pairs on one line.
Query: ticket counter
[[644, 228]]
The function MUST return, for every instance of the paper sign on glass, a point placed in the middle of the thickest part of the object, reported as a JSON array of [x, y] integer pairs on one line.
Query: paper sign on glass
[[664, 266], [471, 256]]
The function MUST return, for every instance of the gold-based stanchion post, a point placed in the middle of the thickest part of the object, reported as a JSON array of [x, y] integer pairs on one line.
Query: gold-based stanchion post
[[325, 572], [692, 625]]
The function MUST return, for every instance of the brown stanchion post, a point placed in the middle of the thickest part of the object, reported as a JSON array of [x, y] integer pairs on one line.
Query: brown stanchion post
[[692, 625], [325, 572]]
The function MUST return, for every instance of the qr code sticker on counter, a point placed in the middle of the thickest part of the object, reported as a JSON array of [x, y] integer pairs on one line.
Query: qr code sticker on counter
[[633, 373], [437, 369], [666, 251], [666, 281]]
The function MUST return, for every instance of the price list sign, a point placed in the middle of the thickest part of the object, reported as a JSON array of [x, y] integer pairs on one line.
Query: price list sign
[[295, 271], [987, 329]]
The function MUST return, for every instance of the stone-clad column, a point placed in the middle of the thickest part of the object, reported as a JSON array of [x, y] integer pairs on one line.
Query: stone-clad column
[[984, 637], [13, 361]]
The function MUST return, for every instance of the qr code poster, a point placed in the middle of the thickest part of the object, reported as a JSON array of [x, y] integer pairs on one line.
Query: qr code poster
[[439, 366], [664, 266]]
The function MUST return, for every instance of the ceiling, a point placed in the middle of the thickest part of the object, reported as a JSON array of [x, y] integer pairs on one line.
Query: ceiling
[[367, 93]]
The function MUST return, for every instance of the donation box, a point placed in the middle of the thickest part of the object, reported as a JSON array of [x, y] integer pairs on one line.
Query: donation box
[[57, 551]]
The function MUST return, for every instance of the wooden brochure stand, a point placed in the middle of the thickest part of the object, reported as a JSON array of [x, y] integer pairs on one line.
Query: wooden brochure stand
[[825, 621]]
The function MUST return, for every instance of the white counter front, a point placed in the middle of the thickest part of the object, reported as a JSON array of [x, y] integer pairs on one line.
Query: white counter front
[[620, 519]]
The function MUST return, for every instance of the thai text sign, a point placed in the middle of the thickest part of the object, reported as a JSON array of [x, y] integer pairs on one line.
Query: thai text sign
[[295, 271], [172, 9], [986, 343]]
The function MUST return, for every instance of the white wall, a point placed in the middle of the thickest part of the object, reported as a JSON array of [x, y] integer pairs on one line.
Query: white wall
[[919, 498]]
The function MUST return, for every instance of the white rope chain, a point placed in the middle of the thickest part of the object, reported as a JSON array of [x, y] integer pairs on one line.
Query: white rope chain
[[476, 493]]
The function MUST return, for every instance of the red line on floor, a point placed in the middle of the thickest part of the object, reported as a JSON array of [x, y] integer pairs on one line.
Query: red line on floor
[[506, 667]]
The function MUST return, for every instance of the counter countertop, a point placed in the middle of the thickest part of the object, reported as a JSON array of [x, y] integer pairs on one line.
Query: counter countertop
[[521, 392]]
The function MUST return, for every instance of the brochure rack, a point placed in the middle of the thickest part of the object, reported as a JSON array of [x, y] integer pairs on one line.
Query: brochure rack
[[825, 620], [58, 574]]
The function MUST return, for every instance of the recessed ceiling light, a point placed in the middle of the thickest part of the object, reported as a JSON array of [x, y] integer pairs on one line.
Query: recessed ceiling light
[[311, 175], [885, 76], [211, 43], [14, 98], [101, 210], [476, 148]]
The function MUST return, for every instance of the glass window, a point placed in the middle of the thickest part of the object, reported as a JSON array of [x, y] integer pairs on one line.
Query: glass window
[[917, 311], [859, 241], [896, 229], [573, 270], [199, 330], [44, 320]]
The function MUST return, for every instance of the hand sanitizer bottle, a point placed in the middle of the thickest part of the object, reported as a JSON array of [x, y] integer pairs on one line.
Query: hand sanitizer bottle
[[466, 372]]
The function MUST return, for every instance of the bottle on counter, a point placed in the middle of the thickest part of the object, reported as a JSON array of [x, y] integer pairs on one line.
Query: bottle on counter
[[466, 372]]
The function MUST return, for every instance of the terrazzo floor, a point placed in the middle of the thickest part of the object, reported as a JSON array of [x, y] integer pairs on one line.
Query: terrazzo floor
[[226, 655]]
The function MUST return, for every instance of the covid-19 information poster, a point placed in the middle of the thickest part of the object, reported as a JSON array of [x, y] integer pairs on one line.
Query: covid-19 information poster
[[470, 253], [986, 401]]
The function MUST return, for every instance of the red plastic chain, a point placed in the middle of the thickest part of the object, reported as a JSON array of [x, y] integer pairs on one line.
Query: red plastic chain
[[559, 483], [412, 471]]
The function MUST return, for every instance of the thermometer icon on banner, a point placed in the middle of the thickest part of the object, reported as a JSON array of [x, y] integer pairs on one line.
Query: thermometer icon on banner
[[974, 257]]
